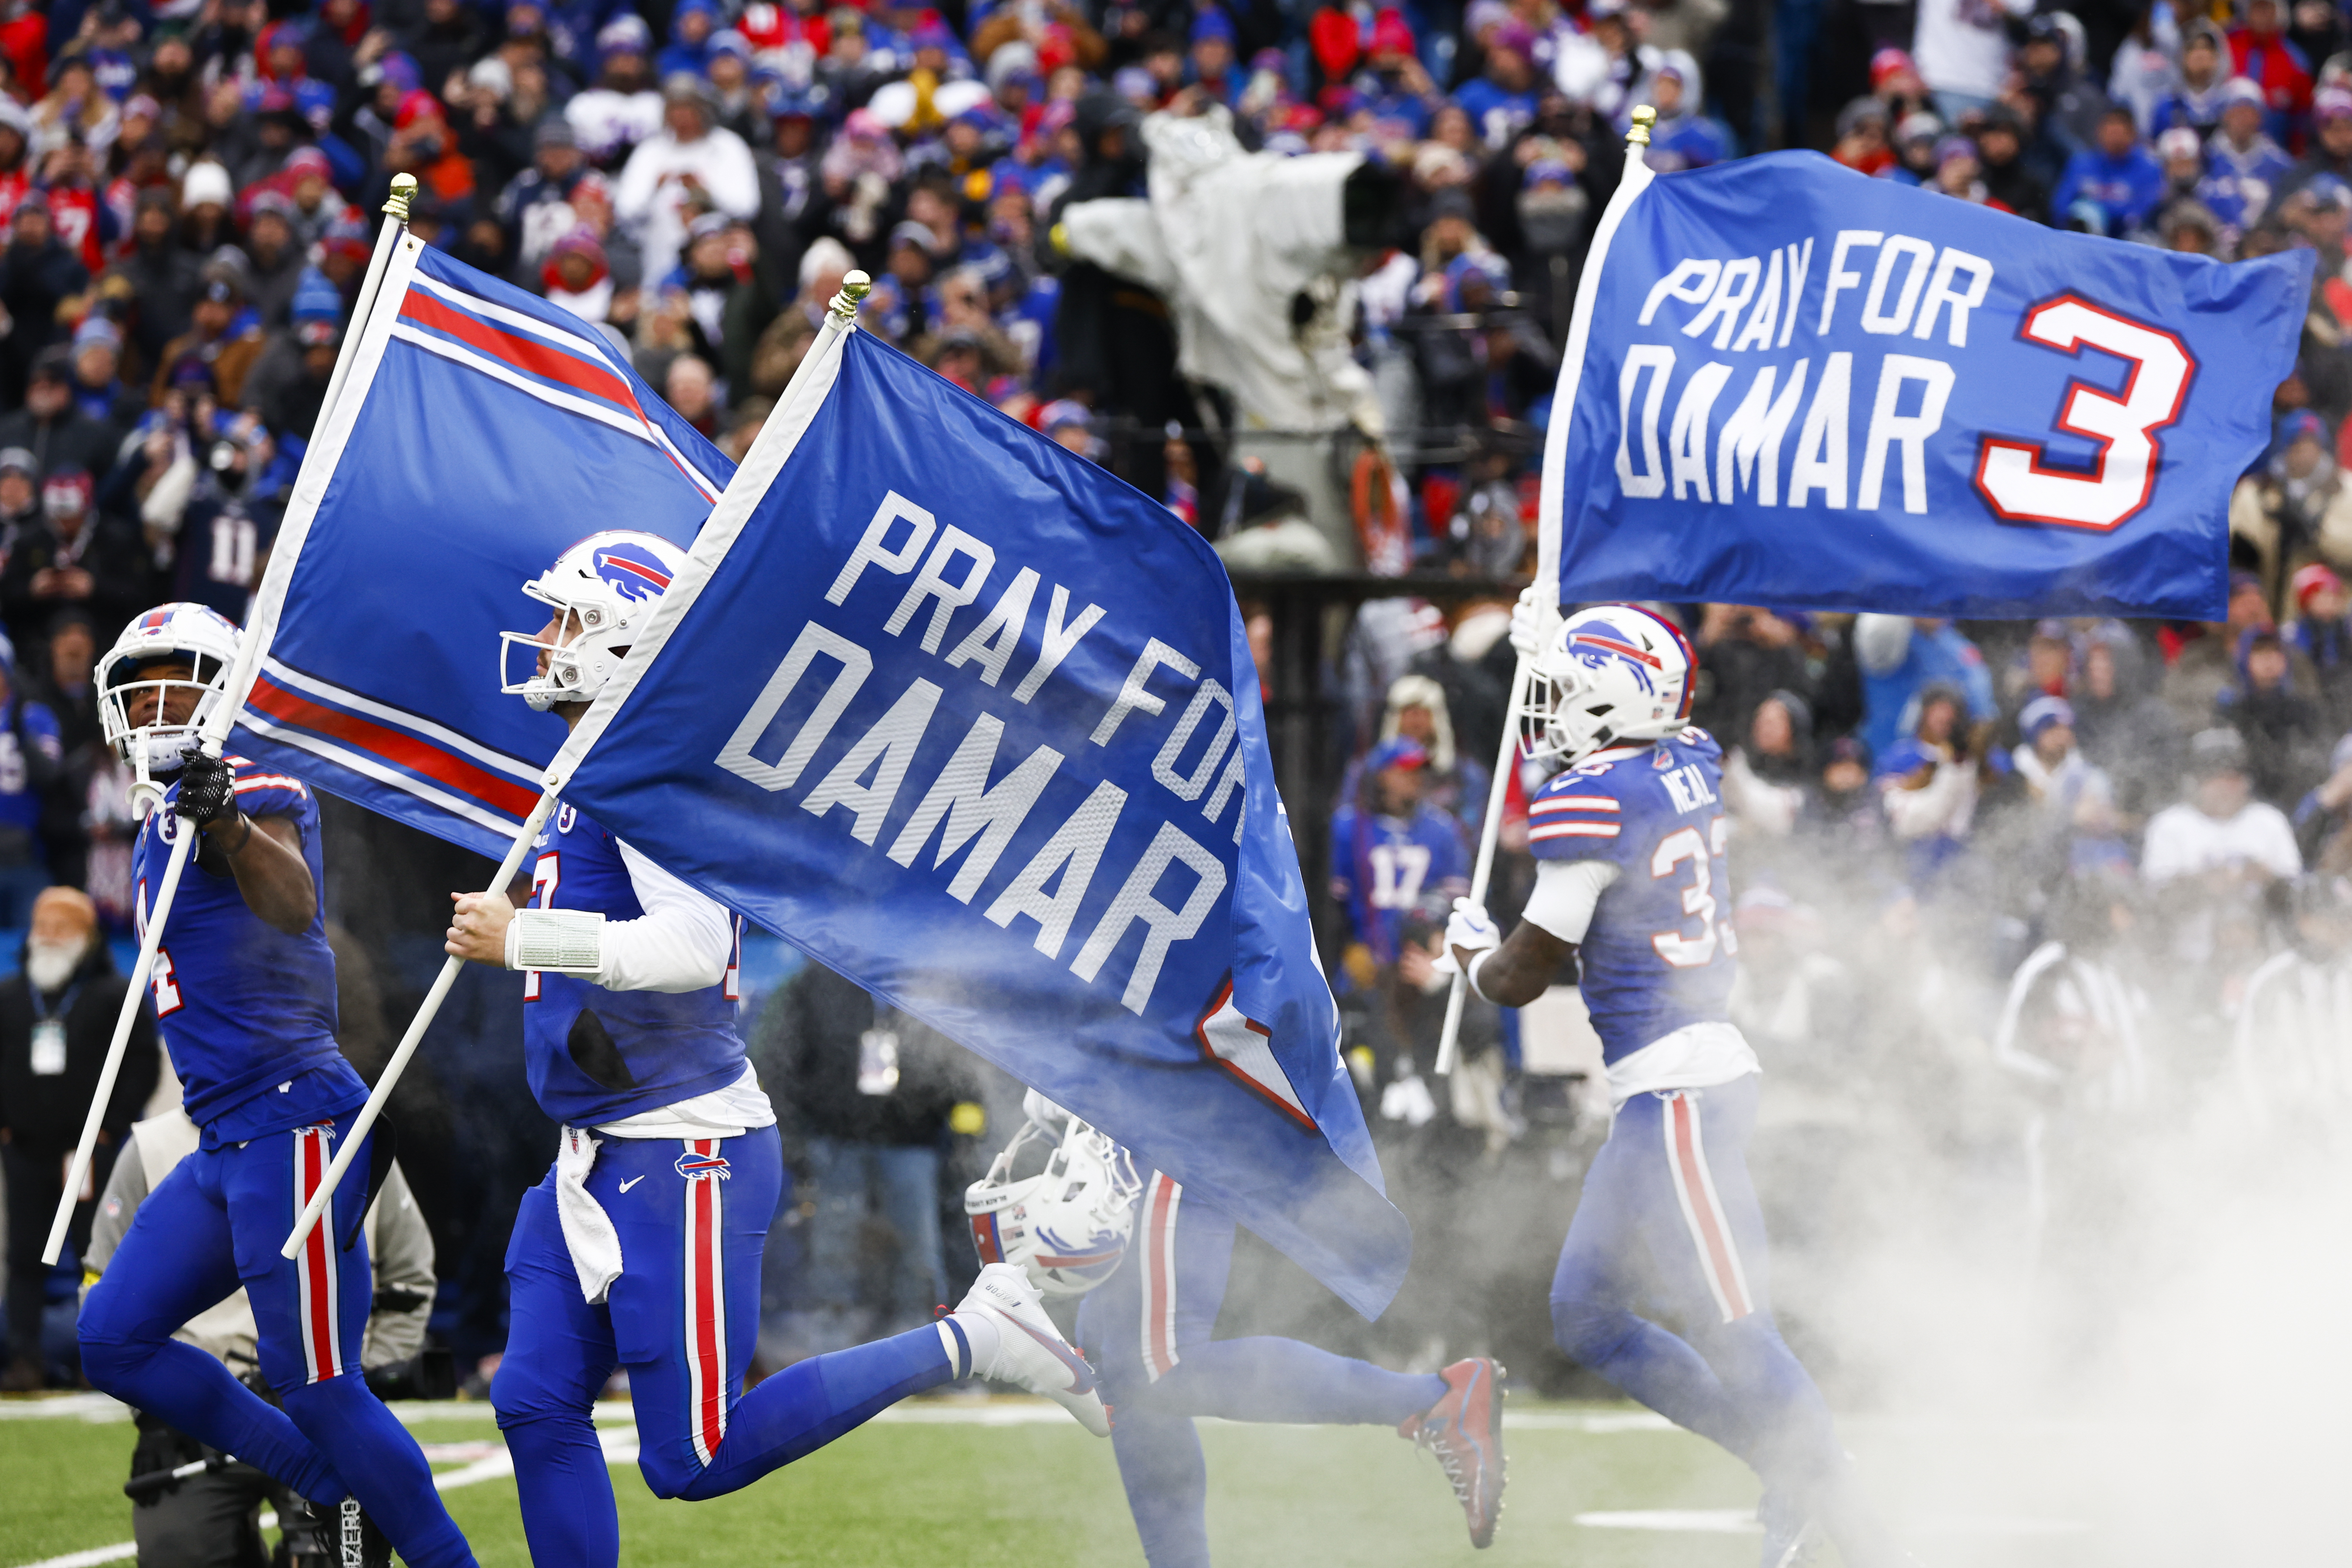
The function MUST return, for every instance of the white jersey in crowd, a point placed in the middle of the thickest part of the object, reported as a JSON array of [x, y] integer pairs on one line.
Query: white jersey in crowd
[[653, 195], [2293, 1041], [605, 121], [1962, 45]]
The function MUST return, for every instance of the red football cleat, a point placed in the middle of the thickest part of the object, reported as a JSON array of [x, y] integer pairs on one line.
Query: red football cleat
[[1464, 1430]]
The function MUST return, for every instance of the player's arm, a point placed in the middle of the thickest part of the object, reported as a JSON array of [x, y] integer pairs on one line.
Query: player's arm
[[264, 854], [683, 941], [1513, 970]]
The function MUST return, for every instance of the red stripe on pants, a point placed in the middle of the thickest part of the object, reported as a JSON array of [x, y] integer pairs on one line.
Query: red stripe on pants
[[1714, 1242], [318, 1258]]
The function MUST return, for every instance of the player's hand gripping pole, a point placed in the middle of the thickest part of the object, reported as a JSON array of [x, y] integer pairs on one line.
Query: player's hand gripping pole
[[1497, 792], [224, 718], [348, 1147], [840, 316], [1635, 179]]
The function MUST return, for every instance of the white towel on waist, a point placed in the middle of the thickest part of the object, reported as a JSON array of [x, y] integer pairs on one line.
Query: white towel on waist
[[588, 1233]]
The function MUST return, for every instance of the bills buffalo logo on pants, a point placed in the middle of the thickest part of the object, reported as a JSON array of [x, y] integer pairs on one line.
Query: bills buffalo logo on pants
[[705, 1293]]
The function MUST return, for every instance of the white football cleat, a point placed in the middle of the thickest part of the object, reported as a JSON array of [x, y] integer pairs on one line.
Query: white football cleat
[[1031, 1353]]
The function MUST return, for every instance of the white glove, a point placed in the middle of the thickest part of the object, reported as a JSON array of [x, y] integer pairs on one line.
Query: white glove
[[1535, 620], [1470, 928]]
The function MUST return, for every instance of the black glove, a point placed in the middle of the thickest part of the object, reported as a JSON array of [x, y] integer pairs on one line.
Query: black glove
[[207, 787]]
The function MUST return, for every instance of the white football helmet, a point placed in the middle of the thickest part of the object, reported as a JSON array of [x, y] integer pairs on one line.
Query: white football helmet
[[1609, 675], [1066, 1226], [601, 590], [195, 635]]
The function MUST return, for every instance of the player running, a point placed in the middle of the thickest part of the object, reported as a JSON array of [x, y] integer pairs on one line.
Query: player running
[[1148, 1328], [1633, 883], [642, 1247], [244, 994]]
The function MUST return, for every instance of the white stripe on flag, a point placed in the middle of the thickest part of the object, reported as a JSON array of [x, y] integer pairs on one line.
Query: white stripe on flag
[[589, 347], [513, 767], [455, 804], [570, 402]]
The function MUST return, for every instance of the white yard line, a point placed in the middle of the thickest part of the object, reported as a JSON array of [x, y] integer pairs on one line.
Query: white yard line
[[620, 1449]]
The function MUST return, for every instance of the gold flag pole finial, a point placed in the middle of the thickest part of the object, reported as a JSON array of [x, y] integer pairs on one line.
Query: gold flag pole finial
[[404, 191], [1643, 118], [854, 289]]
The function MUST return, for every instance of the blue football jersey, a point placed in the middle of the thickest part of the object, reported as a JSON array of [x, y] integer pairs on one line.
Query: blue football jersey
[[595, 1056], [247, 1011], [1387, 868], [1658, 954]]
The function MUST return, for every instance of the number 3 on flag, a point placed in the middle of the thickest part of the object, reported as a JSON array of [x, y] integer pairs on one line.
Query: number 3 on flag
[[2120, 481]]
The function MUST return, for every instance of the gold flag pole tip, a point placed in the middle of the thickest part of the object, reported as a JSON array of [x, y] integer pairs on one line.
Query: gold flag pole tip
[[854, 287], [404, 191], [1643, 117]]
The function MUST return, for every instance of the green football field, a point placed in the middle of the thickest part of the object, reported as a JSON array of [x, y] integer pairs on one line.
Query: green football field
[[976, 1482]]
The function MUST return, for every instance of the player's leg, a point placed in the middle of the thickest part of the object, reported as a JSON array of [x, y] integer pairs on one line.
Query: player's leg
[[177, 1259], [558, 1358], [1607, 1269], [310, 1315], [685, 1317], [1791, 1438], [1181, 1258], [1160, 1461]]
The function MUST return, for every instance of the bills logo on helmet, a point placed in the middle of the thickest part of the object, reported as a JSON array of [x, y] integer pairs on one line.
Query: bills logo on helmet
[[1054, 1252], [633, 571], [1597, 645], [693, 1165]]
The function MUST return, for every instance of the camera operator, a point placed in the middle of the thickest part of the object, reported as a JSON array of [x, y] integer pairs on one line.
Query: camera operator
[[211, 1518]]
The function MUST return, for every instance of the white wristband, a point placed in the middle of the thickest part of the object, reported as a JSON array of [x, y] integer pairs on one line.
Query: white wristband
[[565, 942], [1471, 973]]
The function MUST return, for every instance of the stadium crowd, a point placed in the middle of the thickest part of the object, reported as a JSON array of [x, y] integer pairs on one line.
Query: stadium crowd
[[1980, 859]]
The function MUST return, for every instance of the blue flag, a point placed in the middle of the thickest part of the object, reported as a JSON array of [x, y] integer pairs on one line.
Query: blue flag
[[976, 725], [481, 431], [1790, 384]]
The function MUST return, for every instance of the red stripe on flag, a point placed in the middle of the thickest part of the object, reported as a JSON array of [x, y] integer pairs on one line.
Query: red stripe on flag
[[1715, 1245], [1160, 1282], [418, 756], [523, 354]]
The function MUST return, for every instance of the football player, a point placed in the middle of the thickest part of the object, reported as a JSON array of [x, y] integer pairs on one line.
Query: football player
[[245, 994], [1633, 885], [641, 1250], [1148, 1328]]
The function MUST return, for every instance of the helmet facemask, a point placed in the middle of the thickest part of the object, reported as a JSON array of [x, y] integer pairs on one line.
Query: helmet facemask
[[153, 749]]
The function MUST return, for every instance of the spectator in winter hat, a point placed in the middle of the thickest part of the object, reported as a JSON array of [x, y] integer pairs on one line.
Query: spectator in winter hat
[[2297, 507], [1070, 425], [36, 273], [423, 145], [689, 167], [20, 487], [2241, 147], [1502, 103], [98, 388], [2321, 633], [2330, 148], [2261, 52], [691, 25], [1862, 144], [1211, 56], [576, 276], [52, 426], [2000, 163], [222, 332], [73, 556], [275, 258], [622, 108], [2111, 188]]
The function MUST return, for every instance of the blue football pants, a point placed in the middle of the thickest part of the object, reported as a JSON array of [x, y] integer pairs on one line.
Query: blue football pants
[[692, 1215], [1147, 1330], [213, 1224], [1669, 1231]]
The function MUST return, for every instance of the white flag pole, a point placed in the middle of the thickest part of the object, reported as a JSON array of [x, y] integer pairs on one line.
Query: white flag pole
[[751, 479], [263, 624], [1632, 184]]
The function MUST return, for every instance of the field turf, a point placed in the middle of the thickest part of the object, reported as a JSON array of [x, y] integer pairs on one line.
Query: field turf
[[974, 1484]]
